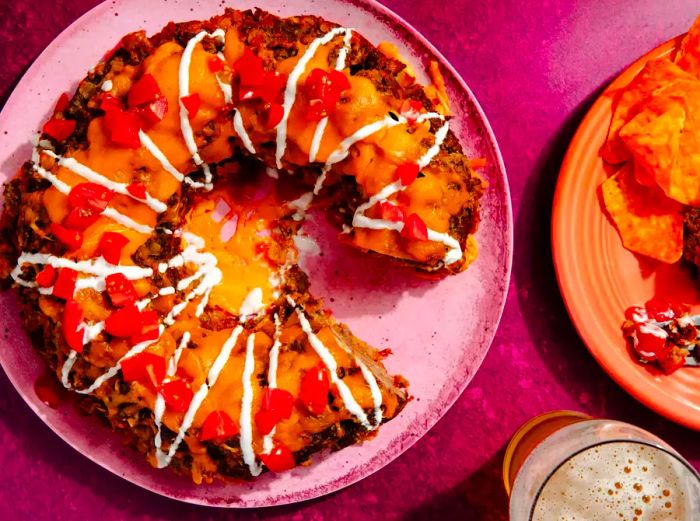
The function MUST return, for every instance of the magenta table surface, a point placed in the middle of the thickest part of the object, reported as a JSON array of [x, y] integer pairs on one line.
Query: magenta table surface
[[535, 67]]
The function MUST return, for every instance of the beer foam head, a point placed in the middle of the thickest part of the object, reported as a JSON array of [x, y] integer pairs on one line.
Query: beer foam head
[[622, 481]]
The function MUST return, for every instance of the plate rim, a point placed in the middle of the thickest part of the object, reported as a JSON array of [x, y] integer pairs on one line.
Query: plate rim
[[638, 388], [508, 235]]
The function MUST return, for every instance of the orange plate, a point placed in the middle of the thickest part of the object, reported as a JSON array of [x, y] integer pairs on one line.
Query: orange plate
[[599, 279]]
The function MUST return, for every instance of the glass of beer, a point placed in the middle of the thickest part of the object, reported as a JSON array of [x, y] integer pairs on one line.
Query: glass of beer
[[564, 465]]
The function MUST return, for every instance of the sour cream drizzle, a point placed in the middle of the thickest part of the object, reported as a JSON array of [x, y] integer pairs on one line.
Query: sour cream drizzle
[[327, 358], [184, 91], [268, 444], [120, 188], [290, 91], [110, 212], [246, 422], [241, 131], [156, 152]]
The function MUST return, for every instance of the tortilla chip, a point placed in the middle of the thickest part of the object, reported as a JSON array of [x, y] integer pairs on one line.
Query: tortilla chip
[[688, 57], [653, 138], [648, 222], [664, 140], [655, 75]]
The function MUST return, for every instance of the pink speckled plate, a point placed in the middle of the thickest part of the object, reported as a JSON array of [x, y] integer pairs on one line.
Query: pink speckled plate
[[439, 330]]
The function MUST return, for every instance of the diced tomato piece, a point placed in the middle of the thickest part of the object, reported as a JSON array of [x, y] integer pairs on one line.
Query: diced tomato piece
[[314, 389], [59, 129], [650, 341], [146, 368], [217, 426], [80, 218], [316, 110], [415, 228], [406, 173], [46, 277], [278, 400], [144, 91], [154, 112], [123, 126], [138, 190], [660, 310], [71, 238], [265, 421], [279, 459], [277, 404], [73, 326], [391, 212], [637, 314], [273, 116], [672, 359], [478, 162], [177, 394], [215, 64], [191, 104], [121, 290], [62, 103], [111, 245], [250, 69], [124, 322], [410, 109], [150, 328], [339, 80], [109, 102], [90, 195], [64, 287]]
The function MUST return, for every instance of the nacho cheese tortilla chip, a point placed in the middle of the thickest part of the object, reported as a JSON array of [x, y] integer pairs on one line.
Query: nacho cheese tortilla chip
[[649, 223], [688, 57], [664, 141], [655, 75]]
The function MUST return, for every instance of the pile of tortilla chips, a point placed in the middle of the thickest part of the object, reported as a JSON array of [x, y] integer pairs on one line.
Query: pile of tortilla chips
[[655, 136]]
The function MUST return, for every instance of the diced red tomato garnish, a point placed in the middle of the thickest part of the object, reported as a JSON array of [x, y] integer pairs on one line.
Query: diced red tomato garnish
[[323, 90], [478, 162], [650, 341], [637, 314], [150, 328], [46, 277], [273, 116], [191, 104], [257, 83], [71, 238], [410, 109], [672, 359], [80, 218], [391, 212], [279, 459], [217, 426], [154, 112], [215, 64], [177, 394], [660, 310], [124, 322], [145, 90], [406, 173], [123, 126], [59, 129], [314, 389], [277, 404], [138, 190], [64, 287], [121, 290], [415, 228], [73, 326], [90, 195], [146, 368], [62, 103], [111, 245]]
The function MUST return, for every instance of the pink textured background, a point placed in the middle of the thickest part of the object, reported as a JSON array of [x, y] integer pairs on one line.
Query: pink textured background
[[535, 71]]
